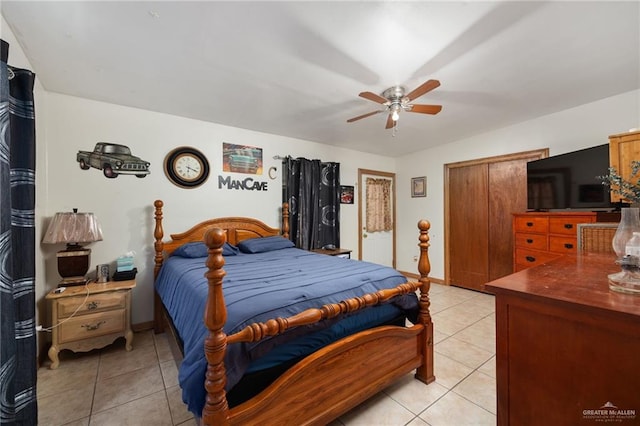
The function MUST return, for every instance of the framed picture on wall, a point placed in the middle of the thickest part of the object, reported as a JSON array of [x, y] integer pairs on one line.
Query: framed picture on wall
[[346, 194], [419, 187]]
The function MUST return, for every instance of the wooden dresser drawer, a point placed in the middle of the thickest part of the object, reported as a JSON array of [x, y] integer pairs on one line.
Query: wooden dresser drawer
[[531, 241], [548, 235], [94, 303], [528, 258], [92, 325], [531, 224], [566, 225], [563, 244]]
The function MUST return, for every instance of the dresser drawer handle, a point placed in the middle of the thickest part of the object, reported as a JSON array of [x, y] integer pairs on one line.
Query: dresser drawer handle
[[568, 245], [529, 224], [92, 305], [568, 225], [529, 241], [91, 327], [530, 259]]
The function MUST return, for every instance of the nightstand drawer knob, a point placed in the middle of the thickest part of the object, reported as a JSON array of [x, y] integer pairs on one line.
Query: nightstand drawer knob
[[92, 305], [91, 327]]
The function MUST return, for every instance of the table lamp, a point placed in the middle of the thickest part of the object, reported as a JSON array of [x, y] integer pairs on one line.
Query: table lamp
[[73, 228]]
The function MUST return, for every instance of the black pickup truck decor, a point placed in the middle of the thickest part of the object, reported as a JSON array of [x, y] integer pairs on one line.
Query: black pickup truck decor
[[113, 160]]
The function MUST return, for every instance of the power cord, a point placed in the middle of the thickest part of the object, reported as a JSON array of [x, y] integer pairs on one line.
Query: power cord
[[86, 297]]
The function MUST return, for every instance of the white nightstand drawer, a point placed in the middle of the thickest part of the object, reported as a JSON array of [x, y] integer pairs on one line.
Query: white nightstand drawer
[[92, 325], [94, 303]]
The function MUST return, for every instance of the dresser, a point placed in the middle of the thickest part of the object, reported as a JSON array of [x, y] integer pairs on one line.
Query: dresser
[[566, 345], [539, 237], [90, 317]]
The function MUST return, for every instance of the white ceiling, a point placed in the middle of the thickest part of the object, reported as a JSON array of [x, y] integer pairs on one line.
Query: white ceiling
[[295, 68]]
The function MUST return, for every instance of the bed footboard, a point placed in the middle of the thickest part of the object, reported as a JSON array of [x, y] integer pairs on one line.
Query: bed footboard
[[335, 379], [329, 382]]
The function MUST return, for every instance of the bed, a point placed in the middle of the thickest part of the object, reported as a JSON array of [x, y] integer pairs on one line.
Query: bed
[[317, 385]]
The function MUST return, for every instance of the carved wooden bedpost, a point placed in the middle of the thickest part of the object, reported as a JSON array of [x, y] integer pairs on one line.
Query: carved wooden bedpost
[[285, 220], [425, 372], [216, 409], [158, 234]]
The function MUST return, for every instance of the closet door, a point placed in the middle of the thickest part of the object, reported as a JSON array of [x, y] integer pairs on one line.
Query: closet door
[[480, 198], [469, 226], [507, 195]]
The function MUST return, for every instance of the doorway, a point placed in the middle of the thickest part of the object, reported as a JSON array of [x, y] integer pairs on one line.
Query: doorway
[[377, 246]]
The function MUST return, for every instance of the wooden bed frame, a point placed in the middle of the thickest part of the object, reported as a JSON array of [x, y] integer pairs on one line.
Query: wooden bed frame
[[325, 384]]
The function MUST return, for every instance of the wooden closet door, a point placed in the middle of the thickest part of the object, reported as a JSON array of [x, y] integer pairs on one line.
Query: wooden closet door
[[481, 196], [469, 226], [507, 195]]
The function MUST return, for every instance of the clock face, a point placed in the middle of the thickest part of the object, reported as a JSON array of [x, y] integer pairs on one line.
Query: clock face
[[186, 167]]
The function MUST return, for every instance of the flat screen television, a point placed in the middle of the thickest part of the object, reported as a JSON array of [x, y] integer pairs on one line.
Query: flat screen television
[[569, 181]]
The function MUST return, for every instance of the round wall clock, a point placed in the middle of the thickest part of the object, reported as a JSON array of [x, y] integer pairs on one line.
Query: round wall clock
[[186, 167]]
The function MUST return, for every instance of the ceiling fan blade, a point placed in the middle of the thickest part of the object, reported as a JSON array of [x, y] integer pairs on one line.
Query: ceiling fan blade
[[390, 122], [425, 109], [351, 120], [422, 89], [373, 97]]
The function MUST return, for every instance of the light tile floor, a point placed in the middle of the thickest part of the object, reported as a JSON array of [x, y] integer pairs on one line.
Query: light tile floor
[[115, 387]]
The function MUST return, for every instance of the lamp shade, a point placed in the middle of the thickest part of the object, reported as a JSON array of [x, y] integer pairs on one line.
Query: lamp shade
[[73, 228]]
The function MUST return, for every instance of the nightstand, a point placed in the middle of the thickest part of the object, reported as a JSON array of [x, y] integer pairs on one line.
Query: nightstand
[[339, 252], [90, 317]]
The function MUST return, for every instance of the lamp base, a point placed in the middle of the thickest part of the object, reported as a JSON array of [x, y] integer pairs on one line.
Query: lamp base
[[625, 282], [73, 264]]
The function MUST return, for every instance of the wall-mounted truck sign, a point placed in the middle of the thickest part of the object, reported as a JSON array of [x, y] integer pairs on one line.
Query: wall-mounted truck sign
[[113, 160]]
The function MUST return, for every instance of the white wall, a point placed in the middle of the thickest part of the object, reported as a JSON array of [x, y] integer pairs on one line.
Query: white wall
[[576, 128], [124, 206]]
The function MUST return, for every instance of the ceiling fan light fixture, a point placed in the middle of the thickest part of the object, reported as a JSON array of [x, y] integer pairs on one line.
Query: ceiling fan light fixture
[[395, 108]]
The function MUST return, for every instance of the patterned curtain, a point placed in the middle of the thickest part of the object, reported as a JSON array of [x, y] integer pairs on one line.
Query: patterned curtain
[[378, 199], [312, 189], [17, 246]]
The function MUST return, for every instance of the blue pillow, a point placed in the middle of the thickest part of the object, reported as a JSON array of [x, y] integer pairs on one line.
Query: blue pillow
[[264, 244], [229, 249], [200, 249]]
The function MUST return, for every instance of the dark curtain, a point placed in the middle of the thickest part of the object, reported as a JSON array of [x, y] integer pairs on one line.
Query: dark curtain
[[17, 246], [312, 189]]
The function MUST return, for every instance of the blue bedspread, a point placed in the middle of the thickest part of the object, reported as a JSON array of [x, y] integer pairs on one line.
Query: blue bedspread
[[259, 287]]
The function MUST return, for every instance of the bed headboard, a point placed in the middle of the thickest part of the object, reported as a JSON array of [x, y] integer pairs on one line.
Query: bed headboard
[[236, 229]]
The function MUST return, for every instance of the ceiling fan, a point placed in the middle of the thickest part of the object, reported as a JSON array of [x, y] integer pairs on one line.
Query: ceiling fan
[[395, 100]]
